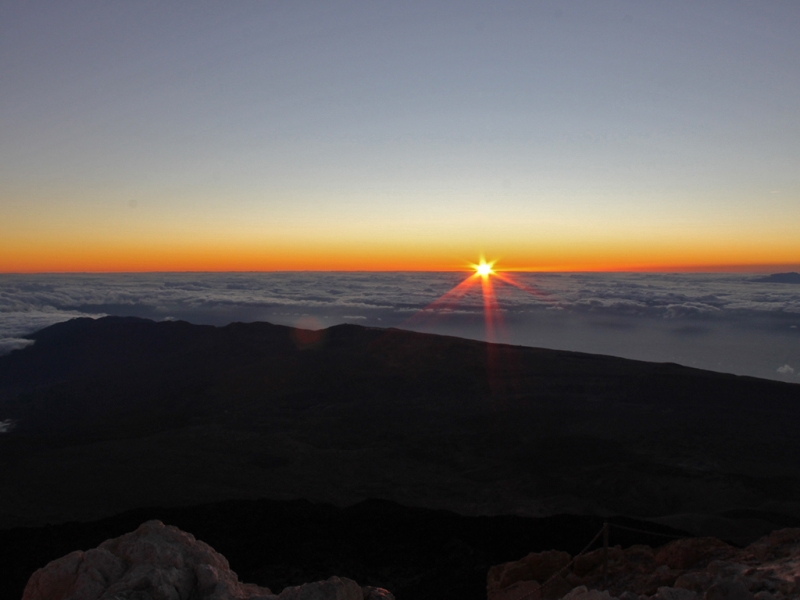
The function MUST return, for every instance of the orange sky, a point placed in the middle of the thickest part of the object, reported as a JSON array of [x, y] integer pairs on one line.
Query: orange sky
[[68, 230], [93, 255]]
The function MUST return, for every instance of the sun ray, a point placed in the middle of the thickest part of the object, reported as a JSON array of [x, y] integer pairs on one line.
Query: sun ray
[[506, 278], [491, 312], [444, 303]]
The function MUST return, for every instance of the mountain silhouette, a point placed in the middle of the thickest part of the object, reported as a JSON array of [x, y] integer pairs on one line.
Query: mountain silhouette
[[119, 413]]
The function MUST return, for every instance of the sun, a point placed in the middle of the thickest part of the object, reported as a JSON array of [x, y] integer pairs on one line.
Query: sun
[[484, 269]]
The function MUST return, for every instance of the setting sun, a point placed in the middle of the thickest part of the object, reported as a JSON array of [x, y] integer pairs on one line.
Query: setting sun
[[484, 269]]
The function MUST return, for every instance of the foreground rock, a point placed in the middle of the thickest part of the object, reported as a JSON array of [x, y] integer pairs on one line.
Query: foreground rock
[[158, 562], [687, 569]]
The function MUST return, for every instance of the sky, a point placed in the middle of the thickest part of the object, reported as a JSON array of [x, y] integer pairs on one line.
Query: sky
[[377, 136]]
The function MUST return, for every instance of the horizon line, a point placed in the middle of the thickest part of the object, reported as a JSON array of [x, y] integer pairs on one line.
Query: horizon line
[[755, 268]]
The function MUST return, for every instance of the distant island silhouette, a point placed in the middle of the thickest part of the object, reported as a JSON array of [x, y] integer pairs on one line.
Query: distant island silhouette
[[791, 277]]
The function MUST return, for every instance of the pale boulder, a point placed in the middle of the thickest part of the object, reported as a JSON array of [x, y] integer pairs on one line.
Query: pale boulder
[[582, 593], [157, 562]]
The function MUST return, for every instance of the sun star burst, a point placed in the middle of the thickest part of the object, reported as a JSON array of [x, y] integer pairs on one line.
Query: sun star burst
[[484, 269]]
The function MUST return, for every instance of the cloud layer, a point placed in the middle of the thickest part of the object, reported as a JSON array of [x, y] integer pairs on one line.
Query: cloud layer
[[726, 322]]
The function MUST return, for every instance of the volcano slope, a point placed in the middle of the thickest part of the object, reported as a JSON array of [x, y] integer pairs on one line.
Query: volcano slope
[[118, 413]]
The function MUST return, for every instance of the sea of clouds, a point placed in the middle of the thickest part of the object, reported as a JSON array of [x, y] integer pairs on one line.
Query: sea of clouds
[[735, 323]]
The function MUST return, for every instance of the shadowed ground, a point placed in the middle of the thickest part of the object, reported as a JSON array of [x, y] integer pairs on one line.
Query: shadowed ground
[[115, 414]]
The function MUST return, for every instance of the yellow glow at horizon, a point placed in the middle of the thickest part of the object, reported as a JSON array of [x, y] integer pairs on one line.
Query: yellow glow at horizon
[[69, 230]]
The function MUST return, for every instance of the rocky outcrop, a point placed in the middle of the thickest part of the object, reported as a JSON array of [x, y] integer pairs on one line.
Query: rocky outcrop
[[686, 569], [158, 562]]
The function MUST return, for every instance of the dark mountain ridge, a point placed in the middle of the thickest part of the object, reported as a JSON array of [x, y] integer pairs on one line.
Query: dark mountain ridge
[[118, 413]]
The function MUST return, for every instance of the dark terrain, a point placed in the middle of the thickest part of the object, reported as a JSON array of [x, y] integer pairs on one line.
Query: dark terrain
[[117, 414]]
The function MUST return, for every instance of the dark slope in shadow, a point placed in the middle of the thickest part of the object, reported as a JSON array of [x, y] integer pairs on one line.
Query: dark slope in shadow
[[120, 413]]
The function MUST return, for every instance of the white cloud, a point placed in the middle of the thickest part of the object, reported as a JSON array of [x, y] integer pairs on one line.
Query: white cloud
[[181, 295], [637, 315], [785, 370], [9, 344], [17, 323], [674, 311]]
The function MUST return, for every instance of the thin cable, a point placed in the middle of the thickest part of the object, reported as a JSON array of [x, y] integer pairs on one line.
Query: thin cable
[[589, 545], [567, 566]]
